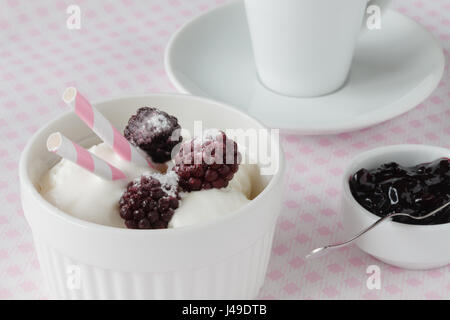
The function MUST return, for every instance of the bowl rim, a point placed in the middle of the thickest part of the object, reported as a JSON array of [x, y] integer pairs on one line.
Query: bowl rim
[[25, 181], [362, 157]]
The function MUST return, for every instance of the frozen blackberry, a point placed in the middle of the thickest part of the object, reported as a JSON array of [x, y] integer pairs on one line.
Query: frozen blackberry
[[149, 202], [155, 132], [207, 163]]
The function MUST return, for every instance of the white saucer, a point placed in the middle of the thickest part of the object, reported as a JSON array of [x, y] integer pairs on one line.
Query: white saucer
[[394, 69]]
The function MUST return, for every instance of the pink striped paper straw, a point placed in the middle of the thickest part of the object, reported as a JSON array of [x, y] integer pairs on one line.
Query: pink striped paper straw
[[103, 128], [71, 151]]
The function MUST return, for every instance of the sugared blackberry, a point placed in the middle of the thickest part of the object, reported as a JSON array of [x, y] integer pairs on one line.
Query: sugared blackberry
[[153, 131], [207, 163], [149, 202]]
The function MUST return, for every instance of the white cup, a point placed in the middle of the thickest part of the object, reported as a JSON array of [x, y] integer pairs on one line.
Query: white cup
[[305, 47]]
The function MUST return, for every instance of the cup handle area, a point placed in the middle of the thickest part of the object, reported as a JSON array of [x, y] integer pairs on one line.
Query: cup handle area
[[373, 12]]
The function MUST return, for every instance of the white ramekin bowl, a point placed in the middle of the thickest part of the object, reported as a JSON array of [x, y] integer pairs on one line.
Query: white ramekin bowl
[[402, 245], [224, 259]]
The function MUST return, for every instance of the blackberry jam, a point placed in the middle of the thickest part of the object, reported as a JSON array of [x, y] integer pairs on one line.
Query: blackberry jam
[[415, 190]]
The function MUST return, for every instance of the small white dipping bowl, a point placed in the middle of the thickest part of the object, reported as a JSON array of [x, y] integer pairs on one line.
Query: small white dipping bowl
[[402, 245], [223, 259]]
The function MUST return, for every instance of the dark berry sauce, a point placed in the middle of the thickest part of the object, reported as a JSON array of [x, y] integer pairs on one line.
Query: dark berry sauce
[[414, 190]]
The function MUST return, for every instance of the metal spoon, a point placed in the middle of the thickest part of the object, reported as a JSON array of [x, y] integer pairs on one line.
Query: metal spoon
[[322, 250]]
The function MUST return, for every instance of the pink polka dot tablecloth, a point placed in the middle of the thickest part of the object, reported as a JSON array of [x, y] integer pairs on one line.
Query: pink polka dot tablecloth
[[119, 50]]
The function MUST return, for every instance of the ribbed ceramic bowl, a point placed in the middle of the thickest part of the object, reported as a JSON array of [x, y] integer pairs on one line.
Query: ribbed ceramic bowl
[[224, 259], [402, 245]]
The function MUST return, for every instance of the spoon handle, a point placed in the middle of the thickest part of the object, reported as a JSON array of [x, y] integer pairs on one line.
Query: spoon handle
[[322, 250]]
